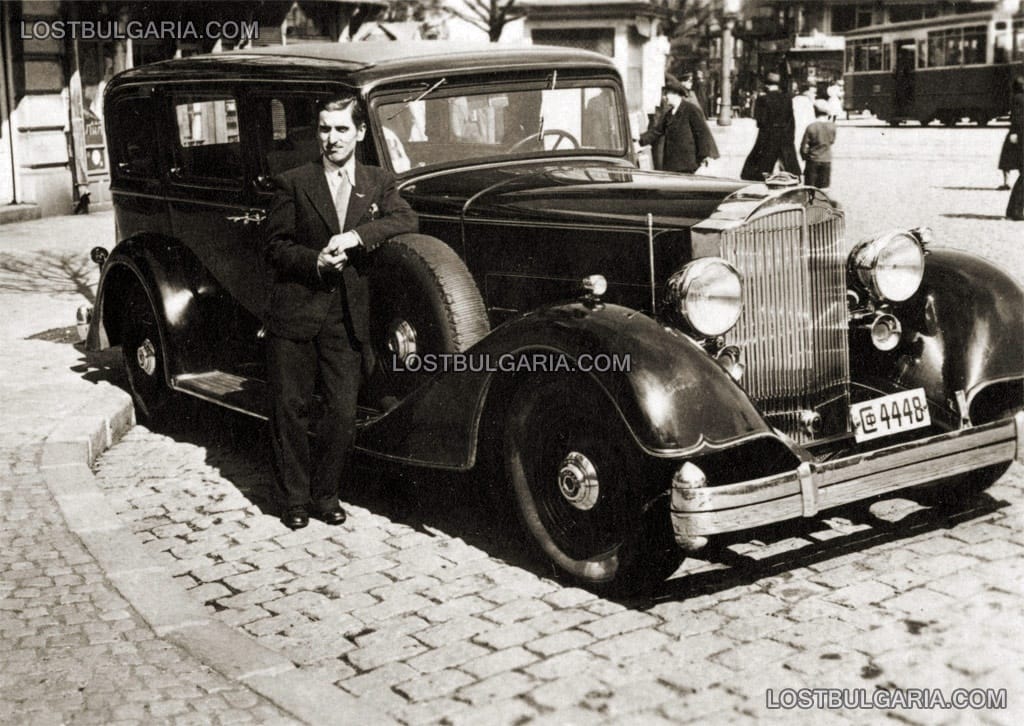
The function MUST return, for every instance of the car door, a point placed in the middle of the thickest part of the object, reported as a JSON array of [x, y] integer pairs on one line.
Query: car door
[[216, 215]]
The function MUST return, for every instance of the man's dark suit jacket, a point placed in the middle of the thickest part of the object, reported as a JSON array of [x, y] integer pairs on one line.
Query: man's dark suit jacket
[[299, 224]]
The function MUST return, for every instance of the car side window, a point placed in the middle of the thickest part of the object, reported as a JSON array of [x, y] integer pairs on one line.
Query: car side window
[[286, 126], [134, 148], [208, 140]]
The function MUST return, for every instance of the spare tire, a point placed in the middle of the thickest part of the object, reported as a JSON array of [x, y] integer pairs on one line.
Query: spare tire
[[423, 302]]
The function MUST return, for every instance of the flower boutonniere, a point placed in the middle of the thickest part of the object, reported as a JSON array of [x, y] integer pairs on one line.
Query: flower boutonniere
[[374, 211]]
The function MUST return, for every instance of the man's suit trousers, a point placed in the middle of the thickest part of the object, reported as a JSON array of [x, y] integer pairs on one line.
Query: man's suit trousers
[[330, 364]]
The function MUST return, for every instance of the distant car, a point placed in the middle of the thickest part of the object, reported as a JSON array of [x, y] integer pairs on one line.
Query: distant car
[[656, 358]]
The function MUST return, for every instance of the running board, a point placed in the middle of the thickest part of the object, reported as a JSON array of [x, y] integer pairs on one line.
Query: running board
[[244, 394]]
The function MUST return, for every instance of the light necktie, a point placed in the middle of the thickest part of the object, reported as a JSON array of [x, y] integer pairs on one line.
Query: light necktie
[[341, 197]]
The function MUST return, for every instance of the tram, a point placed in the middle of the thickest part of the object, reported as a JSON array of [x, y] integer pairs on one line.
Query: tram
[[945, 68]]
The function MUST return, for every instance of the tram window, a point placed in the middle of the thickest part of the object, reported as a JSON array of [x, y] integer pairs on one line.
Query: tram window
[[974, 45], [867, 55], [1018, 40]]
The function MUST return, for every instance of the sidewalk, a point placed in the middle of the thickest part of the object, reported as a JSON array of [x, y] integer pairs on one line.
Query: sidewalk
[[91, 628]]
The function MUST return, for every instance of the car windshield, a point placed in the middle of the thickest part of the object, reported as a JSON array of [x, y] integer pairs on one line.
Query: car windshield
[[444, 129]]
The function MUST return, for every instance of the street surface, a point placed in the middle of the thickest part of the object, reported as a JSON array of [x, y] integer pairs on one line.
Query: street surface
[[427, 604]]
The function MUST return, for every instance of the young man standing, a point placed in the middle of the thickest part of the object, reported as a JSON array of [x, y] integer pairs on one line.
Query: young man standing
[[325, 219]]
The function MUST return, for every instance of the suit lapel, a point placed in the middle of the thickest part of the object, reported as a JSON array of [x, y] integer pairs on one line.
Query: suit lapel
[[362, 194], [319, 194]]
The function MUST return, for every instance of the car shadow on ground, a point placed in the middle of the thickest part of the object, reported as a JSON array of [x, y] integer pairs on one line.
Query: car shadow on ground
[[468, 505], [774, 550]]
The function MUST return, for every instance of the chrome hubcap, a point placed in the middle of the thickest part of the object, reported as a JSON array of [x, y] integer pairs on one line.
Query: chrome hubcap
[[145, 355], [577, 480], [402, 339]]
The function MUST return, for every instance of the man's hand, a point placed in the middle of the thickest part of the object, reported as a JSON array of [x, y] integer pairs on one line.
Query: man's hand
[[1013, 138], [341, 242], [328, 260]]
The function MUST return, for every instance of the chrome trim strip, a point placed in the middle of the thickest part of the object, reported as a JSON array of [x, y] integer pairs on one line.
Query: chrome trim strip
[[733, 507]]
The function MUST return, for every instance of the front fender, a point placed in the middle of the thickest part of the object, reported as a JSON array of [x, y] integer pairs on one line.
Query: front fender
[[966, 328], [154, 264], [673, 398]]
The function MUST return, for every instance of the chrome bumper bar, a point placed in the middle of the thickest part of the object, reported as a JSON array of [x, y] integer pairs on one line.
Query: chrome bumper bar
[[814, 487]]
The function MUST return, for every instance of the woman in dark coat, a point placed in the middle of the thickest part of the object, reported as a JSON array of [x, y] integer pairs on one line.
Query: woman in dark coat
[[775, 130], [1007, 160], [1015, 209]]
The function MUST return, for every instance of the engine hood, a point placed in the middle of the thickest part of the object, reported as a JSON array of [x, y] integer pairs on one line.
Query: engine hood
[[575, 192]]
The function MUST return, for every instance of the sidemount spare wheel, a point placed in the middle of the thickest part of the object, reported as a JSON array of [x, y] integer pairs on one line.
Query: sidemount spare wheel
[[584, 490], [424, 302]]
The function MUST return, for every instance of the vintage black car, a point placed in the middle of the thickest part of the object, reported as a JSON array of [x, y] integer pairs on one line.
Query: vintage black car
[[656, 359]]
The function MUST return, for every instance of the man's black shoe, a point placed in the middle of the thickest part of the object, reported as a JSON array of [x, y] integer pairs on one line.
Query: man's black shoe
[[333, 516], [295, 518]]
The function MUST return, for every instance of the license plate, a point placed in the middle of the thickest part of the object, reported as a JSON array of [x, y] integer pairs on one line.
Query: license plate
[[893, 414]]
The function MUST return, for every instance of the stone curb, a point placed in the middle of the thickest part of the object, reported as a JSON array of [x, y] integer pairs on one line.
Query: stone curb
[[67, 455]]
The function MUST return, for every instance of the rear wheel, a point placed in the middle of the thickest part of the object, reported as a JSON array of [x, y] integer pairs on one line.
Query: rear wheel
[[143, 355], [424, 301], [580, 484]]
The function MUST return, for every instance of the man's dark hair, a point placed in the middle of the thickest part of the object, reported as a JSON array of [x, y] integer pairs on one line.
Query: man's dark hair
[[340, 103]]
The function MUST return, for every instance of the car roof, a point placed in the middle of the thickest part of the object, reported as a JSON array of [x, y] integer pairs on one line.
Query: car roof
[[364, 64]]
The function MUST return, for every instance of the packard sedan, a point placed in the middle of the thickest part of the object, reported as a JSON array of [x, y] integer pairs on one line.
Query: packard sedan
[[655, 360]]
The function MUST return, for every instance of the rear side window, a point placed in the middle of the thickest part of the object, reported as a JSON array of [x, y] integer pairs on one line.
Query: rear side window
[[287, 129], [209, 146], [133, 142]]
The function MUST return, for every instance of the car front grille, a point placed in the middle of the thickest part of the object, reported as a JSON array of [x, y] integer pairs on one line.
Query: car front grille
[[793, 329]]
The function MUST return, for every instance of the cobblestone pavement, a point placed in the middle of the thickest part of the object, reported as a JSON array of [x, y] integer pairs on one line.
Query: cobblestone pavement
[[422, 605], [73, 649]]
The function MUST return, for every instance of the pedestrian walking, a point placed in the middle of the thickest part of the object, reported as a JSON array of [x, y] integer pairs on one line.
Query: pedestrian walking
[[775, 129], [816, 147], [681, 130], [1008, 159], [700, 92], [835, 99], [803, 112], [1015, 207]]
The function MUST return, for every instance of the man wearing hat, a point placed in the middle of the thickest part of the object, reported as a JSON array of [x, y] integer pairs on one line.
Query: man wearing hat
[[775, 131], [681, 129]]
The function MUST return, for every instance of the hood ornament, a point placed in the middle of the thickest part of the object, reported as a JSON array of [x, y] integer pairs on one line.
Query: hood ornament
[[781, 179]]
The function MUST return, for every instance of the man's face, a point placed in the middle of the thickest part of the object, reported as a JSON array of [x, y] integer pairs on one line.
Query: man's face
[[339, 135], [674, 98]]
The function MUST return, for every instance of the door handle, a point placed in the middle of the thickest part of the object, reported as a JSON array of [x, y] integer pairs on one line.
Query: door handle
[[251, 216]]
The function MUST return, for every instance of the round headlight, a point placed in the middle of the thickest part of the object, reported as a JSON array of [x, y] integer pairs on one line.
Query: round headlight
[[707, 294], [890, 266]]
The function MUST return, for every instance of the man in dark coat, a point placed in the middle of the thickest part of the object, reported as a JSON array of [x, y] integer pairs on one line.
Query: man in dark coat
[[680, 126], [1015, 208], [775, 130], [325, 219]]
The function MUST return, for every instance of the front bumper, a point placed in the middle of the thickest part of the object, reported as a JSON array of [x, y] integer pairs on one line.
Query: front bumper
[[813, 487]]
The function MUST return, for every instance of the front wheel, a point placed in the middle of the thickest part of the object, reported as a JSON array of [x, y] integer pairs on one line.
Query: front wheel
[[581, 485]]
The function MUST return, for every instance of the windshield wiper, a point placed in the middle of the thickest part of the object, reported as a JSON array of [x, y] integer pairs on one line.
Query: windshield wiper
[[410, 100]]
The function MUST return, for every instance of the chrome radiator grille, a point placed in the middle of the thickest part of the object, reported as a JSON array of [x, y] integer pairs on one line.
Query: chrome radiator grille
[[793, 330]]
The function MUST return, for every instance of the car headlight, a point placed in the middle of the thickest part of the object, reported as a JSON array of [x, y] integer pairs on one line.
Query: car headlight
[[890, 266], [707, 295]]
